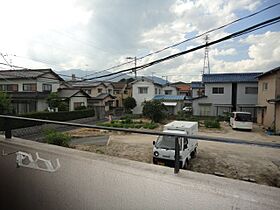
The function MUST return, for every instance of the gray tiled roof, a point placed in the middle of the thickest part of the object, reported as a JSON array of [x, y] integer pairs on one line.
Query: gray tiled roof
[[68, 93], [231, 77], [197, 85], [25, 73]]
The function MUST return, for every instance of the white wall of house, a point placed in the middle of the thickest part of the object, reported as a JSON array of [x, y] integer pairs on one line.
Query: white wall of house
[[224, 98], [141, 97], [172, 89], [242, 97], [80, 98], [41, 105]]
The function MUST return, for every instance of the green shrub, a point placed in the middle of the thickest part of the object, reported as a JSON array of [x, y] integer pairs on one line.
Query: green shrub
[[57, 138], [81, 108], [212, 124]]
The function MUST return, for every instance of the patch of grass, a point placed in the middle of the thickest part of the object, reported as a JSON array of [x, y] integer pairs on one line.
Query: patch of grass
[[129, 124], [212, 124], [57, 138]]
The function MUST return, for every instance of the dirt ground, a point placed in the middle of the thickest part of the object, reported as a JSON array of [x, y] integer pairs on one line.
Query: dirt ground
[[259, 164]]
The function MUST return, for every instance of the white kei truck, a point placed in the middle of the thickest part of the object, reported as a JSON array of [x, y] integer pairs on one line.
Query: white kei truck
[[164, 147]]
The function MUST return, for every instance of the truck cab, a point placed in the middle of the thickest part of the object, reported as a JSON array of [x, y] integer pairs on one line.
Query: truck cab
[[164, 147]]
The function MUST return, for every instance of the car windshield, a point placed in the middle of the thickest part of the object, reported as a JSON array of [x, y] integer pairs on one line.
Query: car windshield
[[243, 117], [166, 142]]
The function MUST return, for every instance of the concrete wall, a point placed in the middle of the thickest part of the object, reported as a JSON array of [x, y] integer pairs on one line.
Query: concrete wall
[[91, 181], [140, 98]]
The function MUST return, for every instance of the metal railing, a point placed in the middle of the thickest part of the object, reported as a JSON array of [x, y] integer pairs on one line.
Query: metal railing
[[8, 134]]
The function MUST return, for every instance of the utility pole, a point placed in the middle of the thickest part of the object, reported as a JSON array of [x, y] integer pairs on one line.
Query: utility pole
[[135, 62], [206, 64]]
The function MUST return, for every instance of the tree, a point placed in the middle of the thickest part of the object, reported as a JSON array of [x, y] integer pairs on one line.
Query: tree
[[53, 100], [154, 110], [129, 103], [5, 103]]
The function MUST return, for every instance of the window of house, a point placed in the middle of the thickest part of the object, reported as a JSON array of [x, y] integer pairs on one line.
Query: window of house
[[142, 90], [116, 92], [159, 91], [78, 104], [218, 90], [47, 87], [99, 90], [251, 90], [265, 86], [109, 91], [125, 92], [9, 87], [29, 87], [168, 92], [156, 91]]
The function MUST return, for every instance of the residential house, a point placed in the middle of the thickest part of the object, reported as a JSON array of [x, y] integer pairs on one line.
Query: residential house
[[269, 99], [173, 103], [226, 93], [94, 88], [144, 89], [183, 88], [197, 89], [147, 88], [75, 98], [29, 88], [104, 100], [121, 91], [99, 91]]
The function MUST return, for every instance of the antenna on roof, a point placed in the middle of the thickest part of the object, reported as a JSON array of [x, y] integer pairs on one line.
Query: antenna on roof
[[206, 64]]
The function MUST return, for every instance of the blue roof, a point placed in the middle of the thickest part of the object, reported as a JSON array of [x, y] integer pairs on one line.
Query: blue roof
[[169, 97], [230, 77], [197, 85]]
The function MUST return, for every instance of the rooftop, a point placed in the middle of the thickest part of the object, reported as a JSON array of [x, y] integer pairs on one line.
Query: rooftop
[[70, 92], [169, 97], [272, 71], [26, 73], [230, 77]]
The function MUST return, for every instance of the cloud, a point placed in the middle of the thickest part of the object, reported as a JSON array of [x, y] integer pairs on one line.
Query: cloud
[[97, 34]]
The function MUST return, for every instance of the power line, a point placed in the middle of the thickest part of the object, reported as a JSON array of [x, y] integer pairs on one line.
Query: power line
[[192, 38], [231, 36], [210, 31]]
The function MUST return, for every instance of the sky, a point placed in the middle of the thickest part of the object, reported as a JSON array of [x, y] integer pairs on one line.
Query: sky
[[94, 35]]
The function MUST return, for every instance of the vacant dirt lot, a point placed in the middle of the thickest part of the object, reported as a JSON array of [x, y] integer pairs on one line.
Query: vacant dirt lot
[[234, 161]]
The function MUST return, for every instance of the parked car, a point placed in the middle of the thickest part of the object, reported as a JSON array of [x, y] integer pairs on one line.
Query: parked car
[[187, 109], [241, 120], [164, 147]]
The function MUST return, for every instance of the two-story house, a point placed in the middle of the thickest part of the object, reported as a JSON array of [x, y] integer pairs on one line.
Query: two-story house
[[183, 88], [226, 93], [147, 88], [269, 99], [197, 89], [28, 89], [101, 93], [122, 90]]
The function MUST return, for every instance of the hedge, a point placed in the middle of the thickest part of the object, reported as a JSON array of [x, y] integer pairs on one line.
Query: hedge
[[57, 116]]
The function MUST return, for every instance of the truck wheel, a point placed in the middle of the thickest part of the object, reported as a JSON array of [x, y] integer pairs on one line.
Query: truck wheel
[[193, 154], [186, 164]]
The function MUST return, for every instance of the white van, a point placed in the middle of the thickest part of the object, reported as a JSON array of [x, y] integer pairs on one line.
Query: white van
[[241, 120], [164, 147]]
